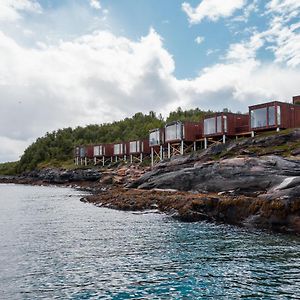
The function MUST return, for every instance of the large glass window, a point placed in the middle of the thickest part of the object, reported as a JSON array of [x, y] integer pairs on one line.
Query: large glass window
[[154, 138], [271, 115], [82, 152], [134, 147], [225, 123], [173, 132], [278, 115], [210, 126], [98, 150], [219, 124], [259, 117], [118, 150]]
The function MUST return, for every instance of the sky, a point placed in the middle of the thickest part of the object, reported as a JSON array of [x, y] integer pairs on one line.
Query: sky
[[68, 63]]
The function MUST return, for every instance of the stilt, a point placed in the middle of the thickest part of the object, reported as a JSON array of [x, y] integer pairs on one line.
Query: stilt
[[141, 157], [252, 133], [116, 158], [103, 161], [224, 138], [161, 153], [85, 161], [278, 129], [169, 150], [205, 143], [95, 161], [181, 148], [152, 158], [131, 158], [195, 146]]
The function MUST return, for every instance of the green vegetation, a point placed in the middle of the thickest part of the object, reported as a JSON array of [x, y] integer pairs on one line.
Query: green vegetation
[[8, 168], [55, 149], [187, 115]]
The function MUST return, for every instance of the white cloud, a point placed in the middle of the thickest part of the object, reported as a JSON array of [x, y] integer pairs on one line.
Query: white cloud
[[246, 50], [95, 4], [199, 39], [103, 77], [211, 9], [10, 9]]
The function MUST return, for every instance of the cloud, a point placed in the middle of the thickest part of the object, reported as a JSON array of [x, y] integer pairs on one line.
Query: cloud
[[95, 4], [101, 77], [211, 9], [199, 39], [10, 9]]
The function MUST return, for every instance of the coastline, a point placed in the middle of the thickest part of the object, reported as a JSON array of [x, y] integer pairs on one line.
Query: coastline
[[250, 182], [277, 215]]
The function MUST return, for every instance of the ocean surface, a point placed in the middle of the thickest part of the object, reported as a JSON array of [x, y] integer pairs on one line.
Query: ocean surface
[[52, 246]]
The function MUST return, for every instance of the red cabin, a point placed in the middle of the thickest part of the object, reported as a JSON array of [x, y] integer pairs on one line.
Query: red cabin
[[225, 124], [183, 131], [274, 115], [138, 147]]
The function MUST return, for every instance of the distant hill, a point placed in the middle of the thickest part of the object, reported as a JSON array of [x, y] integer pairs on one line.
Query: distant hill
[[55, 149]]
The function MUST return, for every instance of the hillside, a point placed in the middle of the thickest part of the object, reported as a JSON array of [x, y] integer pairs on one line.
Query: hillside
[[55, 149]]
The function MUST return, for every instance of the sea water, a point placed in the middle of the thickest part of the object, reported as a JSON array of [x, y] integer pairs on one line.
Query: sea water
[[52, 246]]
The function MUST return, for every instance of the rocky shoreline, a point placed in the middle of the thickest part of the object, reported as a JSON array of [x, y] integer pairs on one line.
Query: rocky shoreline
[[229, 183]]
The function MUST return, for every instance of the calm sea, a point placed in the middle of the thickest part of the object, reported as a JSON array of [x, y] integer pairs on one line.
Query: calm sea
[[52, 246]]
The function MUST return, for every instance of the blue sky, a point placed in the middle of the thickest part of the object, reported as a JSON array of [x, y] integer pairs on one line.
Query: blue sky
[[76, 62]]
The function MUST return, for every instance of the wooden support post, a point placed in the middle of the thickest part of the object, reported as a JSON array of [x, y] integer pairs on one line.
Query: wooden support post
[[95, 161], [125, 158], [205, 143], [181, 148], [141, 157], [131, 160], [161, 153], [252, 133], [103, 161], [224, 138], [195, 146], [169, 150], [85, 161], [152, 158], [278, 129], [116, 158], [111, 159]]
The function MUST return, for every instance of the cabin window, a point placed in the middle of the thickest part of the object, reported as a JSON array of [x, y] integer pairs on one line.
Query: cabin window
[[118, 150], [174, 132], [82, 152], [210, 126], [271, 114], [219, 124], [134, 147], [278, 115], [98, 150], [154, 138], [225, 123], [259, 117]]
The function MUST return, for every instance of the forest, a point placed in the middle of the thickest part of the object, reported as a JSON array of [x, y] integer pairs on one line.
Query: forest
[[55, 149]]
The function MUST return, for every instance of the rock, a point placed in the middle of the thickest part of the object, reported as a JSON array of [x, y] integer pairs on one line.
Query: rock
[[108, 179], [250, 176], [296, 152]]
